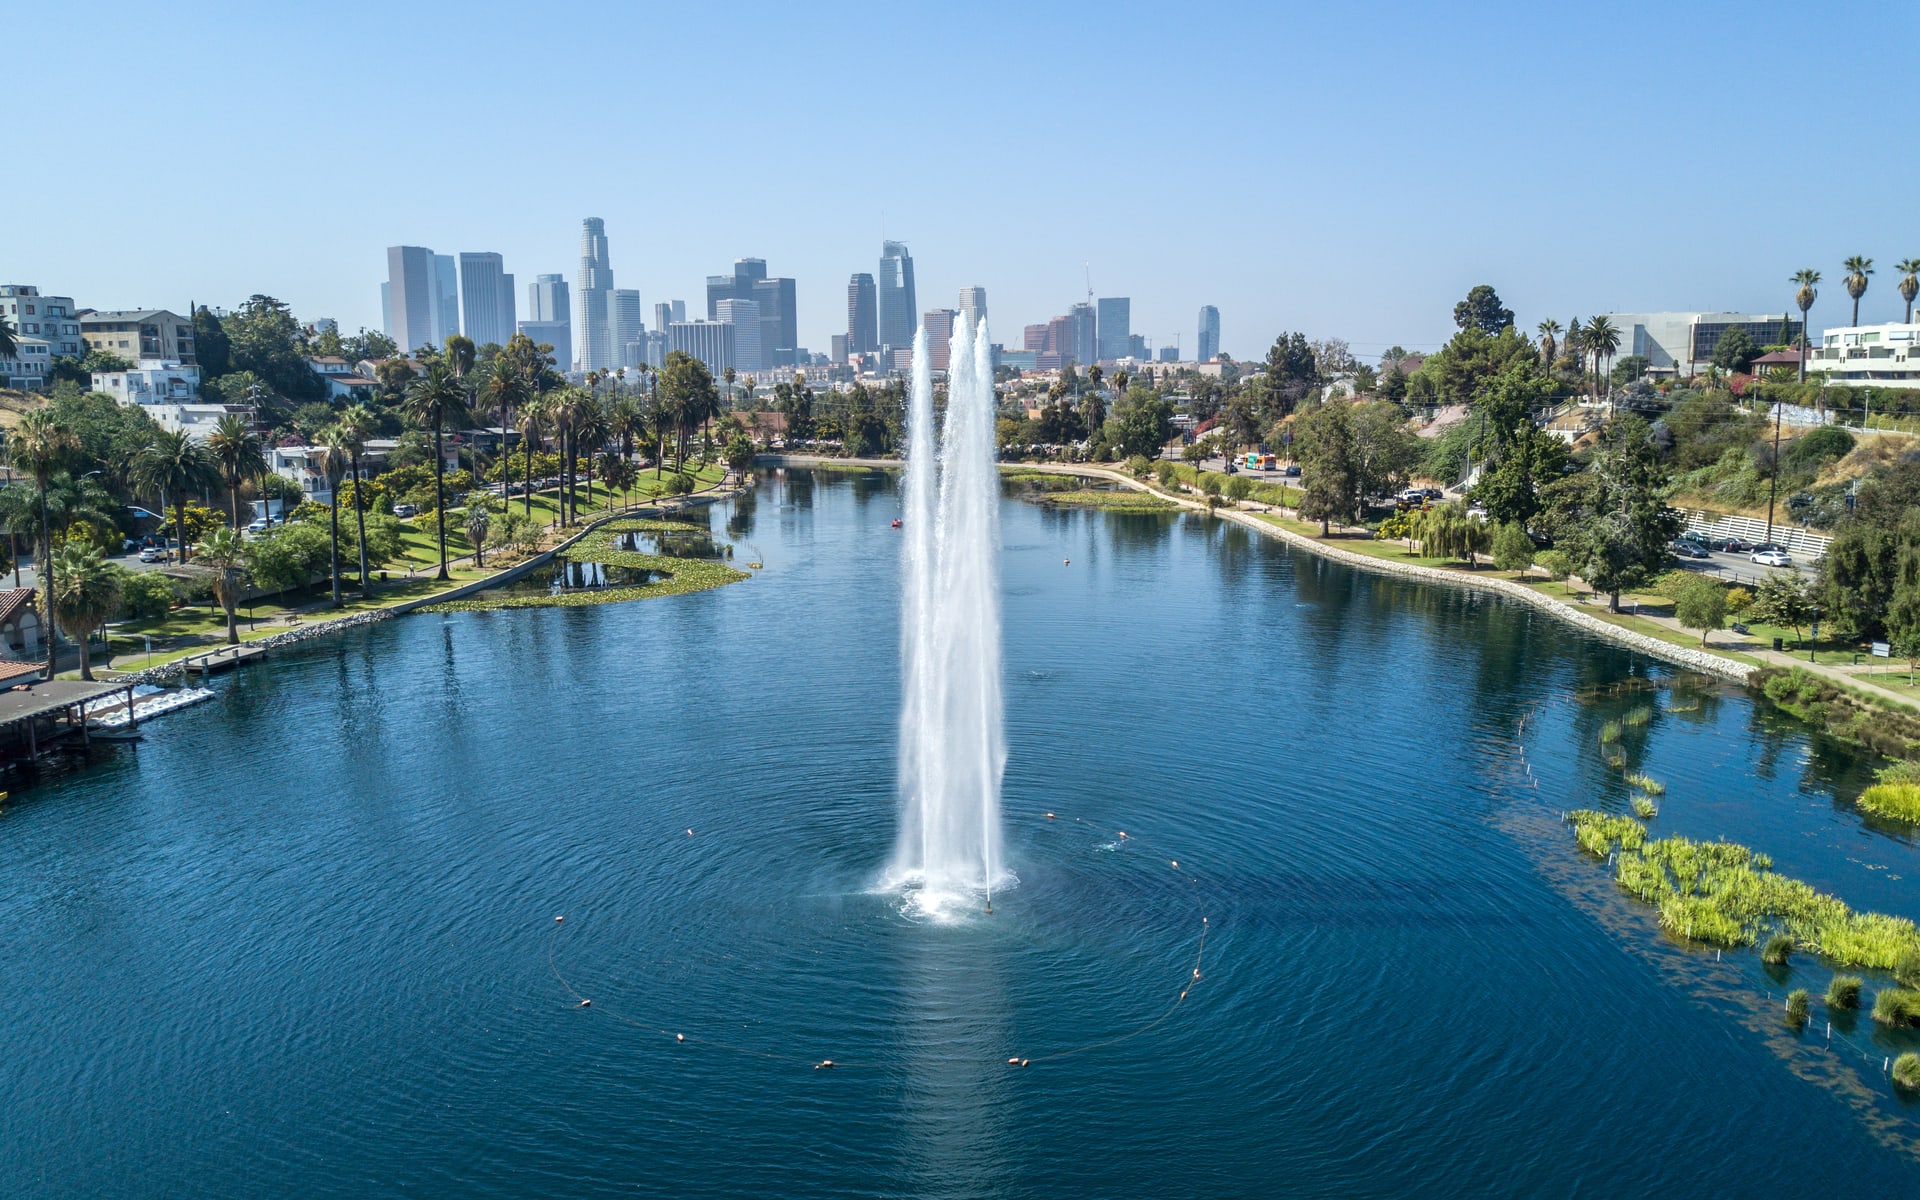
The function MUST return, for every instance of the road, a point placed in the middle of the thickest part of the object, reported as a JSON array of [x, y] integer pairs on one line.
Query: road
[[130, 561]]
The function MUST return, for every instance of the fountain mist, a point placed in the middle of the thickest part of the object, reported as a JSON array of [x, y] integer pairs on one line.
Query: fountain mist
[[952, 745]]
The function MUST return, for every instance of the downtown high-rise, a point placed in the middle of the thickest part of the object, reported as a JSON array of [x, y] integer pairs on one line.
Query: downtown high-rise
[[863, 316], [896, 305], [1115, 318], [486, 298], [410, 298], [1209, 348], [593, 300], [973, 305], [549, 317]]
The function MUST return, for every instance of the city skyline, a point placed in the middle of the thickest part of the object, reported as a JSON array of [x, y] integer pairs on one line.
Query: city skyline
[[1264, 225]]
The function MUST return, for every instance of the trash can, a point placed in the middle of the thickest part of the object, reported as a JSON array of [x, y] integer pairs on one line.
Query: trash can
[[1779, 644]]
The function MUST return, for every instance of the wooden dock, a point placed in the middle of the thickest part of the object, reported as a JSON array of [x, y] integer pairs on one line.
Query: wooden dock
[[226, 658]]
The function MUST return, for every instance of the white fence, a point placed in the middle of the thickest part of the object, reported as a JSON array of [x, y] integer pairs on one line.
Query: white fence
[[1793, 538]]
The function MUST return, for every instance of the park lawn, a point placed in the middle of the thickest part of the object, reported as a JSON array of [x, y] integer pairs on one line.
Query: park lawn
[[1387, 551], [1893, 680]]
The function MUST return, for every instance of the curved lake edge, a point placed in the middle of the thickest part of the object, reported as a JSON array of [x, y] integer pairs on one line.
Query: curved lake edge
[[1693, 660]]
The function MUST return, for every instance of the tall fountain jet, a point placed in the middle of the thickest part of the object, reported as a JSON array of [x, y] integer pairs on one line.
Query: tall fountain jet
[[952, 743]]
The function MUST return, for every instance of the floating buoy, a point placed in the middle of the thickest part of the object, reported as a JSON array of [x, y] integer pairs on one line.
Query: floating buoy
[[557, 920], [679, 1037], [689, 833], [1023, 1062], [584, 1004], [1196, 972], [825, 1064], [1123, 833], [1174, 862], [1049, 816], [1013, 1062]]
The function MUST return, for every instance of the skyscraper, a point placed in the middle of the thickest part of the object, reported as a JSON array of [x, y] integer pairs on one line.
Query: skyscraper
[[593, 298], [709, 341], [1116, 326], [744, 316], [486, 298], [1209, 333], [1084, 346], [550, 316], [662, 316], [627, 327], [896, 305], [779, 320], [973, 302], [938, 323], [446, 293], [863, 319], [411, 299]]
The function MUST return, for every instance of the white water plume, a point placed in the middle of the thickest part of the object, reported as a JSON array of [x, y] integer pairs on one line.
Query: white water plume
[[952, 744]]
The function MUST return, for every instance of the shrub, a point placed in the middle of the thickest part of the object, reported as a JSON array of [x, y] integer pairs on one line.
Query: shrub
[[1555, 563], [1900, 801], [1778, 949], [1906, 1072], [146, 595], [1672, 583], [1512, 548], [1844, 992], [1824, 444], [1139, 465], [1644, 809], [1238, 488], [1897, 1006], [1738, 598], [1797, 1008], [1166, 473]]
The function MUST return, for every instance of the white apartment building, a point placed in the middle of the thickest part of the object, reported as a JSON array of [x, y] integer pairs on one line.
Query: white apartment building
[[197, 421], [306, 466], [344, 380], [27, 369], [49, 317], [1873, 355], [153, 381]]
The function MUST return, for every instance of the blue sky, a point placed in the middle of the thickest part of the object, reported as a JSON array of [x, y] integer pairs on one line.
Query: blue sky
[[1344, 169]]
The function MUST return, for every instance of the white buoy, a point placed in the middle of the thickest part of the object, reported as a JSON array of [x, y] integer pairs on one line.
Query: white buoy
[[679, 1037]]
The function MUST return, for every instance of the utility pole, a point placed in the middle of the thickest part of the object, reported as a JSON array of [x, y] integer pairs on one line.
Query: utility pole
[[1773, 474]]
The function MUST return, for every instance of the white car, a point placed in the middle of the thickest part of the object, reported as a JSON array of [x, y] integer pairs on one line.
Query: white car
[[1771, 556]]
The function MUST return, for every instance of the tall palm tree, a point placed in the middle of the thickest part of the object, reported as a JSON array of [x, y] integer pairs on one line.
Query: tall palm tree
[[532, 419], [625, 424], [241, 456], [459, 354], [86, 595], [1909, 269], [175, 466], [39, 445], [1549, 346], [431, 401], [225, 551], [478, 521], [1857, 269], [560, 406], [1808, 279], [355, 426], [505, 389], [9, 342], [1601, 340], [336, 456], [589, 435]]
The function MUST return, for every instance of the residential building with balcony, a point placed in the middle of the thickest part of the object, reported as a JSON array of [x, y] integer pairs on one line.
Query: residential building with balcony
[[52, 318], [140, 335], [151, 382], [27, 369], [1869, 355]]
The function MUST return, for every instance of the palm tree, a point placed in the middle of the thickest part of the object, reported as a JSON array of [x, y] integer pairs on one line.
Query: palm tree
[[432, 400], [336, 457], [459, 354], [533, 418], [173, 465], [589, 435], [505, 388], [618, 472], [241, 457], [1601, 340], [560, 409], [478, 521], [355, 426], [1857, 269], [9, 342], [225, 551], [1909, 269], [625, 423], [86, 595], [1549, 347], [1808, 279], [40, 445]]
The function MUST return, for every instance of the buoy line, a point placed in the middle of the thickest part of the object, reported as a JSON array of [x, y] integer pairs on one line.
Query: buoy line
[[581, 1001]]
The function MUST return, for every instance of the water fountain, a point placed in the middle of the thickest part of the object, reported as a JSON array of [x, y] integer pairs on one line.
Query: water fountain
[[952, 745]]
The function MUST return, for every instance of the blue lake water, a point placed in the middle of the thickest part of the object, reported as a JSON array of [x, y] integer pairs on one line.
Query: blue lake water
[[302, 940]]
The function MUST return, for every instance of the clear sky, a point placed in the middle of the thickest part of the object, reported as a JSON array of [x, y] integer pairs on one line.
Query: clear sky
[[1346, 169]]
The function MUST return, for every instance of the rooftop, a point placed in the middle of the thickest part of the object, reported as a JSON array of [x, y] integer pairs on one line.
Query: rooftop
[[39, 699]]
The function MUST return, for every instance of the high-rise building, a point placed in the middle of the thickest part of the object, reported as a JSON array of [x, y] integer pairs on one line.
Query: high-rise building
[[1116, 326], [1209, 334], [558, 334], [1169, 354], [779, 318], [1034, 337], [709, 341], [744, 315], [938, 323], [1084, 348], [593, 298], [627, 328], [1137, 347], [679, 311], [839, 345], [896, 305], [863, 317], [486, 298], [446, 292], [662, 316], [551, 317], [973, 303], [655, 341], [411, 299]]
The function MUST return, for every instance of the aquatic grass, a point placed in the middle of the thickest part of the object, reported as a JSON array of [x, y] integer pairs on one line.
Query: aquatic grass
[[1610, 732], [677, 576], [1843, 993], [1777, 951], [1906, 1072], [1616, 760], [1646, 783], [1643, 807], [1638, 717], [1115, 501], [1797, 1007], [1900, 801], [1684, 708], [1897, 1006]]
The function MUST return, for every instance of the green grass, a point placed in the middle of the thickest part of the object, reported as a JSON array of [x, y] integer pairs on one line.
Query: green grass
[[679, 576], [1843, 993], [1643, 808], [1646, 783], [1797, 1005], [1117, 501], [1777, 951], [1900, 801], [1897, 1006], [1906, 1072]]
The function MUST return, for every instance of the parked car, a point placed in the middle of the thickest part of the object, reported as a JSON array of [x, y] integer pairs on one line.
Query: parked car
[[1694, 535], [152, 554], [1687, 549], [403, 511], [1292, 472], [1771, 556], [1730, 545], [259, 525]]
